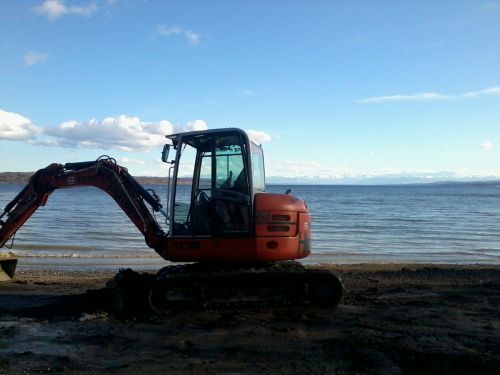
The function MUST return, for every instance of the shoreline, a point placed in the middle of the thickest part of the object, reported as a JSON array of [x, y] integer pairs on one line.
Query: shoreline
[[156, 263], [364, 265]]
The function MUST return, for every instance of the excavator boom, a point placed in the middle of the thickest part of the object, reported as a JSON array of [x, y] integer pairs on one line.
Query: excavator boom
[[104, 174]]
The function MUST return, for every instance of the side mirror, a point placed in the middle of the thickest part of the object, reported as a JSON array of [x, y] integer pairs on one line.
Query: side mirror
[[164, 154]]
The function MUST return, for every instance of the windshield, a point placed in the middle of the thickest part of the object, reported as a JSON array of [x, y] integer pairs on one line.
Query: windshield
[[219, 201]]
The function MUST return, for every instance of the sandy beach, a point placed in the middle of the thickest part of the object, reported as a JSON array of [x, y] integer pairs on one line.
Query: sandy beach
[[395, 319]]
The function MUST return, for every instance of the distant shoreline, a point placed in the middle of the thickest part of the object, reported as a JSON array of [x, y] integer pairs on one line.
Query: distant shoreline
[[22, 178]]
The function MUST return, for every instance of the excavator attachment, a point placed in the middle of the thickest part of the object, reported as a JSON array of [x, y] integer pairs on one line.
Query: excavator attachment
[[8, 263], [104, 174]]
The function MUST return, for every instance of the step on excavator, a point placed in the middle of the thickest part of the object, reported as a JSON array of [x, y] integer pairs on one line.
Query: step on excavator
[[236, 243]]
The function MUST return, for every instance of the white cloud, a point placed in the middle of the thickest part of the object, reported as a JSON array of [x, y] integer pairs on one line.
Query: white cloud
[[258, 136], [192, 37], [192, 126], [485, 92], [129, 161], [44, 142], [53, 9], [33, 57], [167, 31], [122, 133], [429, 96], [425, 96], [305, 169], [487, 145], [15, 127]]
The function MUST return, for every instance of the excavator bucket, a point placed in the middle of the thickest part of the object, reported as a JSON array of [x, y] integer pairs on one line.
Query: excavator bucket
[[8, 263]]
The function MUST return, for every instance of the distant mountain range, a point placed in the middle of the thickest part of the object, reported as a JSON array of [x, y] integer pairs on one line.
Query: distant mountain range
[[386, 179]]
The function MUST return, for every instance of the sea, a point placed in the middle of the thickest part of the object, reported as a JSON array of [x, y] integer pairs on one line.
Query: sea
[[83, 228]]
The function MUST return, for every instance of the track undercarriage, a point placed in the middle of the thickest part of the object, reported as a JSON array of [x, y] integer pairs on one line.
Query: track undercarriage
[[206, 286]]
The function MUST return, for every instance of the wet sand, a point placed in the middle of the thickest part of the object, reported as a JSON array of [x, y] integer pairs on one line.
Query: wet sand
[[395, 319]]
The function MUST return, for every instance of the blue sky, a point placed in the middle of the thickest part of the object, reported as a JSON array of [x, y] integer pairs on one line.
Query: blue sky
[[334, 90]]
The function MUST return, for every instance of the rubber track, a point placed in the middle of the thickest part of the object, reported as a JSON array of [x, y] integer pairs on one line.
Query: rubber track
[[199, 285]]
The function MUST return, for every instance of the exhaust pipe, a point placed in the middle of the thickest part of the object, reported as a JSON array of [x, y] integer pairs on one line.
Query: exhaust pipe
[[8, 263]]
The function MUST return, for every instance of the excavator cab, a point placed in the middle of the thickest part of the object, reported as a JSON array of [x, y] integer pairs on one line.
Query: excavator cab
[[215, 179], [218, 209]]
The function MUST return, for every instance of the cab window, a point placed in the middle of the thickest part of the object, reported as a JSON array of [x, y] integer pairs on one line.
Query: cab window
[[230, 165], [259, 180]]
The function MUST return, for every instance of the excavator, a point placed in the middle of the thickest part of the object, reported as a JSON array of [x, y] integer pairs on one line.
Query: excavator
[[233, 241]]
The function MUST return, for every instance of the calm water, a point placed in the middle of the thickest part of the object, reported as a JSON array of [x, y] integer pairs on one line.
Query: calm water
[[351, 224]]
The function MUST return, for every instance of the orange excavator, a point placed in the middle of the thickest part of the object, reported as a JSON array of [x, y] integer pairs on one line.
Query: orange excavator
[[240, 241]]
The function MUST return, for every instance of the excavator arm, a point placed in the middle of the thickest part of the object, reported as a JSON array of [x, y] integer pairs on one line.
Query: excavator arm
[[104, 174]]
